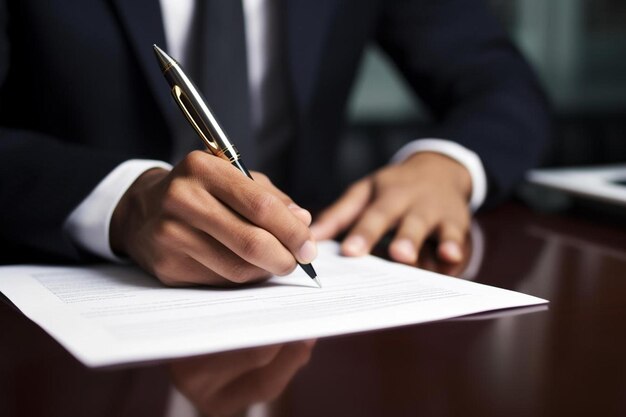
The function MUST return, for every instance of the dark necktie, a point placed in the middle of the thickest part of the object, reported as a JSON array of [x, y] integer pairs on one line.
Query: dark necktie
[[216, 61], [274, 132]]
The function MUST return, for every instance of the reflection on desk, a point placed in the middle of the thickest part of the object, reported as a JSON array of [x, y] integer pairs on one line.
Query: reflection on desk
[[226, 383], [567, 360]]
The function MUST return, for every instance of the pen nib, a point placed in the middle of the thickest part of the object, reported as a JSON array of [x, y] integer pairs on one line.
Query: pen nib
[[308, 268], [164, 59]]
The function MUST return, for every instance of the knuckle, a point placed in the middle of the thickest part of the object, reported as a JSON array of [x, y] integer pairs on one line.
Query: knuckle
[[174, 198], [193, 161], [427, 215], [263, 206], [416, 224], [296, 234], [377, 213], [165, 233], [254, 245]]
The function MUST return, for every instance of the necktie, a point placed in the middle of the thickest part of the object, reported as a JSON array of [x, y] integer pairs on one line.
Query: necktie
[[216, 61], [274, 131]]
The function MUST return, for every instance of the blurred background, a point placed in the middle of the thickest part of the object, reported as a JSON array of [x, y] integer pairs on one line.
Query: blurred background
[[578, 49]]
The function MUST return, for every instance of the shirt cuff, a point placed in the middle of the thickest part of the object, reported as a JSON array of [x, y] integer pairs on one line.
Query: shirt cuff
[[469, 159], [88, 224]]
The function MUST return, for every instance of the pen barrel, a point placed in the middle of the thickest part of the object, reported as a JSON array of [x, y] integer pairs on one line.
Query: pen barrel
[[241, 167], [199, 115]]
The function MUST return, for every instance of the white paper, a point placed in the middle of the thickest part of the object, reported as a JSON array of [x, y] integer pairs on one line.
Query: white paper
[[599, 182], [110, 315]]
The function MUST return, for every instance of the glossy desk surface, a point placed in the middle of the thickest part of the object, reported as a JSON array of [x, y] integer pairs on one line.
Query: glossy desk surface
[[569, 359]]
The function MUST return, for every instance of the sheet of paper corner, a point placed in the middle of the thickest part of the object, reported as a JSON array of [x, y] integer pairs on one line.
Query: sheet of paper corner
[[112, 315], [596, 182]]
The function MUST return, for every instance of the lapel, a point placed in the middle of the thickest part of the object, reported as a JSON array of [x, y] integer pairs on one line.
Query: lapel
[[307, 31], [142, 25]]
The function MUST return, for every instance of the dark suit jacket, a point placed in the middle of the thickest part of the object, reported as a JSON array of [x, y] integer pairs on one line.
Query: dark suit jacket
[[80, 92]]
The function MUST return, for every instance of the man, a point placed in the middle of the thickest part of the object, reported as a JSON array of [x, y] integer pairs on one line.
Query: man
[[87, 121]]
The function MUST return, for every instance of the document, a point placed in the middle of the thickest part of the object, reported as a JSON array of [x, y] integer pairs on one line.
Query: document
[[603, 183], [111, 314]]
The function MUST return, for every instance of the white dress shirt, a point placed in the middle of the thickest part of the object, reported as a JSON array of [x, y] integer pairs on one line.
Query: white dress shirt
[[88, 224]]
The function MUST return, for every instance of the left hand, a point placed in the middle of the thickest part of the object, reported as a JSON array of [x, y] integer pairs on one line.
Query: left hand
[[425, 195]]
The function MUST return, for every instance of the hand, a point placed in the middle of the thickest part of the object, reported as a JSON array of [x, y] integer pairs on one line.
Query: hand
[[207, 223], [225, 383], [426, 194], [430, 261]]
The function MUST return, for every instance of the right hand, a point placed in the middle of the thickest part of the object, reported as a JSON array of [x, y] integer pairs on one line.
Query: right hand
[[225, 383], [204, 222]]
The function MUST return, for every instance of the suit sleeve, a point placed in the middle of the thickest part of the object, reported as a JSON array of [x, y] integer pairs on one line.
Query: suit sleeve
[[42, 179], [480, 91]]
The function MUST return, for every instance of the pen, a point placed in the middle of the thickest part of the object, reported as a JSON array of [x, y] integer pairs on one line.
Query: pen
[[199, 115]]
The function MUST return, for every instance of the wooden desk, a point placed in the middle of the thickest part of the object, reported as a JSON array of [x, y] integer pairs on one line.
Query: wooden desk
[[568, 360]]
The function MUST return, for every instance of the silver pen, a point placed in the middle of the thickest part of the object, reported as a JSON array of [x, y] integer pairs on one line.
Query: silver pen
[[199, 115]]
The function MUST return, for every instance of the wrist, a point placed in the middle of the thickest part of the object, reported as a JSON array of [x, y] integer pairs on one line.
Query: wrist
[[444, 169], [131, 209]]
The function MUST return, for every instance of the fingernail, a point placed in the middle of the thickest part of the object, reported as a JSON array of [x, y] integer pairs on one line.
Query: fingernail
[[307, 252], [406, 250], [354, 246], [452, 251]]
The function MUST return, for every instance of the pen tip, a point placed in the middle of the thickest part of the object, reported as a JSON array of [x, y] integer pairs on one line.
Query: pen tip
[[163, 58], [317, 281], [308, 268]]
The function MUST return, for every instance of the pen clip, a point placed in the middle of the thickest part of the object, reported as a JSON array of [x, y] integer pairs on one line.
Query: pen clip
[[181, 99]]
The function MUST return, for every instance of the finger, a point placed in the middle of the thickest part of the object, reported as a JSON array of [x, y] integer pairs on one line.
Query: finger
[[267, 211], [302, 214], [189, 256], [413, 230], [249, 242], [205, 169], [202, 377], [377, 219], [191, 204], [182, 270], [225, 266], [451, 240], [264, 180], [340, 215], [266, 383]]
